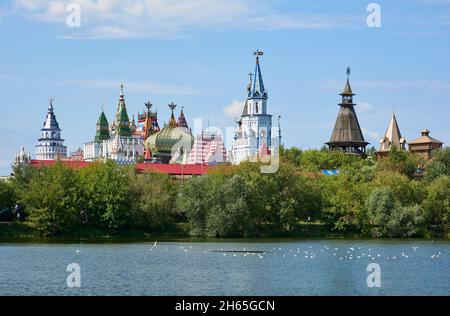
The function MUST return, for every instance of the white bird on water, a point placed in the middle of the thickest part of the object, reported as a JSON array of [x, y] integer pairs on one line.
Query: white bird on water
[[78, 251], [155, 245]]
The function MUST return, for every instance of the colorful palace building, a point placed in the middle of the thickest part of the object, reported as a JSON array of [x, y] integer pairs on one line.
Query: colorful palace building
[[116, 141]]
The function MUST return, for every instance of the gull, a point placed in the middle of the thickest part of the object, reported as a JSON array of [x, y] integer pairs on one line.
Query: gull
[[155, 245]]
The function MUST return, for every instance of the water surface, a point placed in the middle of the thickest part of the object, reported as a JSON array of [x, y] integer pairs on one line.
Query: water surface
[[318, 267]]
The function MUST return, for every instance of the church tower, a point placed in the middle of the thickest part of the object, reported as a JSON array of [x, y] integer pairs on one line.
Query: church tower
[[102, 131], [392, 139], [253, 131], [347, 135], [122, 121], [51, 145]]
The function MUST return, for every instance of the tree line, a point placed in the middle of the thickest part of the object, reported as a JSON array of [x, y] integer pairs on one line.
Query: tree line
[[370, 198]]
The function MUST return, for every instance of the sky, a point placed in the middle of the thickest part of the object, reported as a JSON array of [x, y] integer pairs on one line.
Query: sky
[[198, 53]]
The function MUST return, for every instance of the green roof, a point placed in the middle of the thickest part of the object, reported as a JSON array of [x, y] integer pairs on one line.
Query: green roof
[[102, 132]]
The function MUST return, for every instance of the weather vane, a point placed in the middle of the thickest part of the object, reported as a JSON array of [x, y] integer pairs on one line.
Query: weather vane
[[349, 71], [172, 106], [258, 53], [149, 105], [251, 76], [121, 88]]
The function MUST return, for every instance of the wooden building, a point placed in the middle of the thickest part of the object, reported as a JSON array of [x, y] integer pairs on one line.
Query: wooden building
[[425, 145], [347, 135]]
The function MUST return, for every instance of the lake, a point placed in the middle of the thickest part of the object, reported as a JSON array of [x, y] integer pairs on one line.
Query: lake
[[310, 267]]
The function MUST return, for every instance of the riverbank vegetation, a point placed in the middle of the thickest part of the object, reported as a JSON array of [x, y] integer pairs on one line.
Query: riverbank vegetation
[[366, 199]]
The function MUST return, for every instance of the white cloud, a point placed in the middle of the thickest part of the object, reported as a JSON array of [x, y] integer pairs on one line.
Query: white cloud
[[141, 87], [235, 109], [374, 136], [173, 18], [364, 107]]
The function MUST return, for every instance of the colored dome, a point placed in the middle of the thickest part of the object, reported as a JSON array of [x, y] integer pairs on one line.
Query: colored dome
[[163, 141]]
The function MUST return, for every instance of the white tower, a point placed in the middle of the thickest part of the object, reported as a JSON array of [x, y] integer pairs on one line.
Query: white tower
[[51, 145], [253, 133]]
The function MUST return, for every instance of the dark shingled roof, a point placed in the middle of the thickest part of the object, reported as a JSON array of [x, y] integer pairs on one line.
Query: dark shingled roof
[[347, 131]]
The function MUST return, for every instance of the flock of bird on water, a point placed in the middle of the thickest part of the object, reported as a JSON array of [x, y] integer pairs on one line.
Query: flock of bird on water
[[350, 253]]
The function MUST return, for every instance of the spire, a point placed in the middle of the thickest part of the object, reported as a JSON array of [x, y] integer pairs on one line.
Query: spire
[[102, 131], [258, 90], [50, 107], [393, 137], [172, 121], [50, 121], [122, 121], [348, 89], [182, 120], [279, 130]]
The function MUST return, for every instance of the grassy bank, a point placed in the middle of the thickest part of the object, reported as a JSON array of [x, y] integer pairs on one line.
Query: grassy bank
[[22, 233]]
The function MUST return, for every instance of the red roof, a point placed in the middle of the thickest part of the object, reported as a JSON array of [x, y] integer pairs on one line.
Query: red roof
[[72, 163], [187, 170], [172, 169]]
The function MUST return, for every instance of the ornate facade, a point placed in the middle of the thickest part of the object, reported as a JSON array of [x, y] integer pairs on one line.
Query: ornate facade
[[115, 142], [254, 129], [51, 145]]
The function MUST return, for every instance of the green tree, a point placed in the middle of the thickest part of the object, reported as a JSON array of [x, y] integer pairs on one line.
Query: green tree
[[406, 191], [153, 201], [53, 200], [439, 166], [195, 200], [343, 199], [390, 218], [399, 161], [107, 195], [437, 202], [8, 200], [229, 215]]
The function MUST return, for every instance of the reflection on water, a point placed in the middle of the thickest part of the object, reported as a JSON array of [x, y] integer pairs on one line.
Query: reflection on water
[[320, 267]]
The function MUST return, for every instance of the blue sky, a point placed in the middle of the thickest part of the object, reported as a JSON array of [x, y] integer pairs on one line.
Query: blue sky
[[198, 53]]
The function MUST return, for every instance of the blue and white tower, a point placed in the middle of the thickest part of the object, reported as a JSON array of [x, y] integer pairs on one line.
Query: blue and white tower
[[254, 130], [51, 145]]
